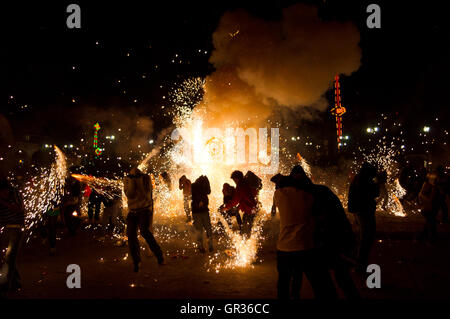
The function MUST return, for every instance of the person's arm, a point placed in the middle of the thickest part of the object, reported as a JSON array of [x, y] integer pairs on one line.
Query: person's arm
[[274, 206]]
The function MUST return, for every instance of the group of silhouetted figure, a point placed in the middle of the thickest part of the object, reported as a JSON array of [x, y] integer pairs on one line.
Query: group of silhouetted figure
[[315, 235]]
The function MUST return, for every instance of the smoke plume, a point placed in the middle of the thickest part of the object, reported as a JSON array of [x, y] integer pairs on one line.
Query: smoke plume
[[266, 66]]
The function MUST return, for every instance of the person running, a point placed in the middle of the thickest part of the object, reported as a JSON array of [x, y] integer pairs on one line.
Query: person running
[[200, 211], [228, 192], [244, 196], [12, 220], [184, 184], [362, 202], [296, 250], [139, 191]]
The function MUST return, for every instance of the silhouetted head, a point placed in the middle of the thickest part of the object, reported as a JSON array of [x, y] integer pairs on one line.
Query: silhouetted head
[[431, 178], [298, 172], [368, 170], [237, 176], [135, 171]]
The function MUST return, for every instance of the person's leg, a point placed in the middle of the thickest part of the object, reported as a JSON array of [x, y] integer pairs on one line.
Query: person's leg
[[284, 267], [91, 206], [444, 208], [318, 275], [238, 216], [97, 210], [297, 275], [187, 208], [133, 243], [432, 230], [367, 224], [198, 226], [68, 219], [144, 224], [51, 224], [208, 229], [247, 223], [15, 242], [343, 278]]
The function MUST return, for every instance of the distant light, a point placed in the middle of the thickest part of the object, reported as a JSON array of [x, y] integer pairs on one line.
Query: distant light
[[376, 129], [71, 145], [426, 129], [346, 137], [75, 213], [369, 130], [293, 138], [113, 137], [150, 142]]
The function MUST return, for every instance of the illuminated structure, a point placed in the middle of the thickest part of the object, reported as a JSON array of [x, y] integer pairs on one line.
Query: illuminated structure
[[338, 110], [97, 151]]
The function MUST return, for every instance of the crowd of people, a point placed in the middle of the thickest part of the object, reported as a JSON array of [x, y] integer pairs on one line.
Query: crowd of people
[[315, 235]]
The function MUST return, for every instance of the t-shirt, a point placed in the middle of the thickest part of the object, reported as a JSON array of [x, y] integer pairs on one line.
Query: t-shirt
[[296, 219]]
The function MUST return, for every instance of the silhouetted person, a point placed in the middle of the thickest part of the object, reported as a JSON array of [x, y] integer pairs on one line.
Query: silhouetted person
[[443, 185], [112, 214], [49, 227], [244, 196], [228, 192], [139, 191], [334, 234], [296, 250], [12, 218], [362, 202], [94, 205], [429, 207], [71, 206], [200, 211], [184, 184]]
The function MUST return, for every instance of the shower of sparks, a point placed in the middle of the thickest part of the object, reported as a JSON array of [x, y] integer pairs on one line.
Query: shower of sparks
[[305, 165], [384, 156], [108, 188], [44, 191]]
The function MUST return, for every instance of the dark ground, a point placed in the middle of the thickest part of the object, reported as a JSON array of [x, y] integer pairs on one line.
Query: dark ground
[[408, 269]]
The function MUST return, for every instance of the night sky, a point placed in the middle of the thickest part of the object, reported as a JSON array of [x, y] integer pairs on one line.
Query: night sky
[[46, 66]]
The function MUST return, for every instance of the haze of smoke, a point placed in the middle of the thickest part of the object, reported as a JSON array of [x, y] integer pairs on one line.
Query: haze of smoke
[[135, 129], [265, 66]]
